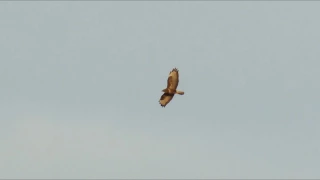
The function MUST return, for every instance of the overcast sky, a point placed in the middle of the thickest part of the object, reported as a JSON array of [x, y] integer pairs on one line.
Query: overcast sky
[[80, 84]]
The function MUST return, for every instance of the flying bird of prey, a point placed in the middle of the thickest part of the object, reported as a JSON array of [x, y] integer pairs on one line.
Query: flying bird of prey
[[171, 90]]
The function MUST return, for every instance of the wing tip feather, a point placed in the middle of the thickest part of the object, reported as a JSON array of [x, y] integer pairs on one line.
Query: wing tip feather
[[174, 70], [162, 105]]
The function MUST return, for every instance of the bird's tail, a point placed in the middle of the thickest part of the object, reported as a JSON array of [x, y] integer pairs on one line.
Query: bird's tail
[[180, 92]]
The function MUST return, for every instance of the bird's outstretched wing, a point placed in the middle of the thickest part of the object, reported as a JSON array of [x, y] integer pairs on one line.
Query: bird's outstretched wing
[[173, 79], [165, 99]]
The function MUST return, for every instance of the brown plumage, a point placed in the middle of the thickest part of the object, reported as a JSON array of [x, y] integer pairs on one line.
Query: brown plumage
[[171, 90]]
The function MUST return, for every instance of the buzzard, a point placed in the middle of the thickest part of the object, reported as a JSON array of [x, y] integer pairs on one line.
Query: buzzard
[[171, 90]]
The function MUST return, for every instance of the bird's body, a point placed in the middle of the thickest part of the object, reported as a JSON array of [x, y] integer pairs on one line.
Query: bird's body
[[171, 90]]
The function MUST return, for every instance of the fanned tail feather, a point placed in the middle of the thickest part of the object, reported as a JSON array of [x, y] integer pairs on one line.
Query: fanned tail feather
[[180, 92]]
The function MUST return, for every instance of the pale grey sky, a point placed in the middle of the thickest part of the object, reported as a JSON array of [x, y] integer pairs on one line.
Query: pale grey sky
[[80, 84]]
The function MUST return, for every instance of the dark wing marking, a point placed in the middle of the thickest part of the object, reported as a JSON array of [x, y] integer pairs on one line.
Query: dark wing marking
[[165, 99]]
